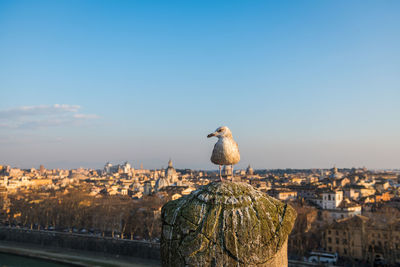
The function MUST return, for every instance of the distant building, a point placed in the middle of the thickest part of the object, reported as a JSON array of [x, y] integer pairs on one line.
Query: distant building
[[107, 168], [170, 174], [227, 171], [283, 193], [249, 170], [124, 191], [361, 239], [338, 206], [120, 168], [126, 167], [168, 178], [42, 170], [382, 185], [331, 199], [15, 172], [147, 188], [335, 174], [346, 237]]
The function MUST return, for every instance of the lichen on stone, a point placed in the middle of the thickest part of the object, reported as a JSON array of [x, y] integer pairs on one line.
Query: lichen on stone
[[224, 224]]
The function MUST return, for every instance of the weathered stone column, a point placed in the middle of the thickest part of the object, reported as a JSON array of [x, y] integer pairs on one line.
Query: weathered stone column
[[226, 224]]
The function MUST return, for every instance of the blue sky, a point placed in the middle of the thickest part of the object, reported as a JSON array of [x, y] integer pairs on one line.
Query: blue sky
[[301, 84]]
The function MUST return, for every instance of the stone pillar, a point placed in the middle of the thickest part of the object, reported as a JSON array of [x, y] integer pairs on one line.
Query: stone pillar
[[226, 224]]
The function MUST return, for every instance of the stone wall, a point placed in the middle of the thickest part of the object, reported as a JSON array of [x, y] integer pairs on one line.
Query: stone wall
[[142, 249]]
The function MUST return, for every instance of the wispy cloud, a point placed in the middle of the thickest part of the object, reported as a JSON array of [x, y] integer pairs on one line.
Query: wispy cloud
[[85, 116], [24, 111], [42, 116]]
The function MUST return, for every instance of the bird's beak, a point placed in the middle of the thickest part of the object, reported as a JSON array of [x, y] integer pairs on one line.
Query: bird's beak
[[211, 135]]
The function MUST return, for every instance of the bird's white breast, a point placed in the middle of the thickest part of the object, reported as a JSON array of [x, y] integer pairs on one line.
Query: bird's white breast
[[226, 152]]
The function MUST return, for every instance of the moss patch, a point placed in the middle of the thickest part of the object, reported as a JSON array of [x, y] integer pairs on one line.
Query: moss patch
[[224, 224]]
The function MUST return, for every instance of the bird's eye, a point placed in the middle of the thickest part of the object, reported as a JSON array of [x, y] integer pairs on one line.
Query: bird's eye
[[220, 130]]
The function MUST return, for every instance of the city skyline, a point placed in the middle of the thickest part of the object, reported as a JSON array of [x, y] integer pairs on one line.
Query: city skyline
[[301, 85], [139, 165]]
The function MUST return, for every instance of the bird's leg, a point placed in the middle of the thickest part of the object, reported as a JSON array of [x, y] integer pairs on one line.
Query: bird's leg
[[232, 172], [220, 175]]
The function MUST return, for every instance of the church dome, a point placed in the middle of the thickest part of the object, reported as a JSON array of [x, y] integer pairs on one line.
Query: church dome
[[170, 173], [161, 182], [249, 170]]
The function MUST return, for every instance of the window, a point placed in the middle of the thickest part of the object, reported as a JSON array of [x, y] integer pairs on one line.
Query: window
[[337, 240], [345, 251], [329, 197], [344, 241], [329, 231], [337, 233], [330, 249], [329, 240]]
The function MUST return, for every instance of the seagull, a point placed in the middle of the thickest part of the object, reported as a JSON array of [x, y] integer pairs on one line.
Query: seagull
[[226, 150]]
